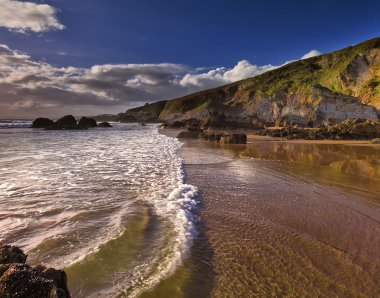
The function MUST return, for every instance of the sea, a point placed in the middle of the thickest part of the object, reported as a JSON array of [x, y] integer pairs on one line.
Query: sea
[[110, 206]]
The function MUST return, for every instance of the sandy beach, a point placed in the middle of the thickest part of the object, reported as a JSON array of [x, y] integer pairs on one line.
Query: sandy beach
[[285, 219]]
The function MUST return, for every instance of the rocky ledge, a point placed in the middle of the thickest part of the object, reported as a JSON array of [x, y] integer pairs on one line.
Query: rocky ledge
[[354, 129], [210, 136], [19, 280], [68, 122]]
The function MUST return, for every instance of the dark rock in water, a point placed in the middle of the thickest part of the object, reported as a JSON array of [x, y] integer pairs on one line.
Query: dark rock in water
[[142, 124], [87, 122], [104, 124], [18, 280], [11, 254], [42, 123], [66, 121], [236, 138]]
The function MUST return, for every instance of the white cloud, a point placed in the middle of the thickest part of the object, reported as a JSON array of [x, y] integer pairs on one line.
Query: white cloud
[[32, 88], [27, 16], [219, 76], [312, 53]]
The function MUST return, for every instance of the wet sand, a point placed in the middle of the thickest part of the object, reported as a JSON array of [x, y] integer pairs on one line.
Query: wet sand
[[284, 220]]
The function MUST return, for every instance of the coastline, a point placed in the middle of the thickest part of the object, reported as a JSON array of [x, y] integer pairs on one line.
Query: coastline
[[252, 138], [271, 231]]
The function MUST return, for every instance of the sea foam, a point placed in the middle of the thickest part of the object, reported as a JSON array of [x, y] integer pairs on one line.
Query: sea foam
[[78, 193]]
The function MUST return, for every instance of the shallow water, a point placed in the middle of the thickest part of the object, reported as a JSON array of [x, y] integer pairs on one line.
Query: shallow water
[[284, 220], [108, 205], [112, 208]]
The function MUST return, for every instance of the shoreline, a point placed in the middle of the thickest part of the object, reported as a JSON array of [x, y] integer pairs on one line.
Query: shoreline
[[269, 232], [252, 137]]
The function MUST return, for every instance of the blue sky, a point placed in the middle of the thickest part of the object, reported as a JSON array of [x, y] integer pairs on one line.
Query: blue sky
[[171, 39]]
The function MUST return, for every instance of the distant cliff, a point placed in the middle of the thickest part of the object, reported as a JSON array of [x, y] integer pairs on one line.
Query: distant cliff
[[329, 88]]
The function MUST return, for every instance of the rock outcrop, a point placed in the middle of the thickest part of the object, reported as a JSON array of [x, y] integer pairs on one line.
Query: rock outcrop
[[18, 280], [190, 133], [236, 138], [210, 136], [87, 122], [42, 123], [353, 129], [104, 124], [68, 122], [224, 138], [11, 254]]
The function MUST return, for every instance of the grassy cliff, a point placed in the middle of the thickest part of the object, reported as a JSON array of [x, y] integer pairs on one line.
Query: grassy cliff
[[297, 89]]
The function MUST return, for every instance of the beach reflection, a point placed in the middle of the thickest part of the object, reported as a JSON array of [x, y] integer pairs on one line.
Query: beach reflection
[[286, 219], [344, 165]]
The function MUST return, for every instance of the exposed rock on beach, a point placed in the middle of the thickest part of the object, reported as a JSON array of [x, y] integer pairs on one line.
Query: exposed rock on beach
[[354, 129], [19, 280], [210, 136]]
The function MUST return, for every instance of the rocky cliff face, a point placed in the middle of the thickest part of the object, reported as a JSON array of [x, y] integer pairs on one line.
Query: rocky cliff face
[[330, 88]]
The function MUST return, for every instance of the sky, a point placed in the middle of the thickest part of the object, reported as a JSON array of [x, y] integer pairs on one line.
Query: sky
[[91, 57]]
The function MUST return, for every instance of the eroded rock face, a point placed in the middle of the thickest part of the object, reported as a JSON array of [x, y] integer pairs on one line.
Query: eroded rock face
[[337, 108], [19, 280]]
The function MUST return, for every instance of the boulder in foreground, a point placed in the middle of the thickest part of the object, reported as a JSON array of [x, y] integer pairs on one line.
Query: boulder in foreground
[[11, 254], [19, 280]]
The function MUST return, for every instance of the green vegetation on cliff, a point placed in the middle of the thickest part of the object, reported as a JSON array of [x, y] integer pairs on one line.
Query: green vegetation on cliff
[[353, 72]]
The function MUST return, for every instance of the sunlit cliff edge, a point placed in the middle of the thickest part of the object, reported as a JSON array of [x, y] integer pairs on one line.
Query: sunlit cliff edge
[[333, 87]]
